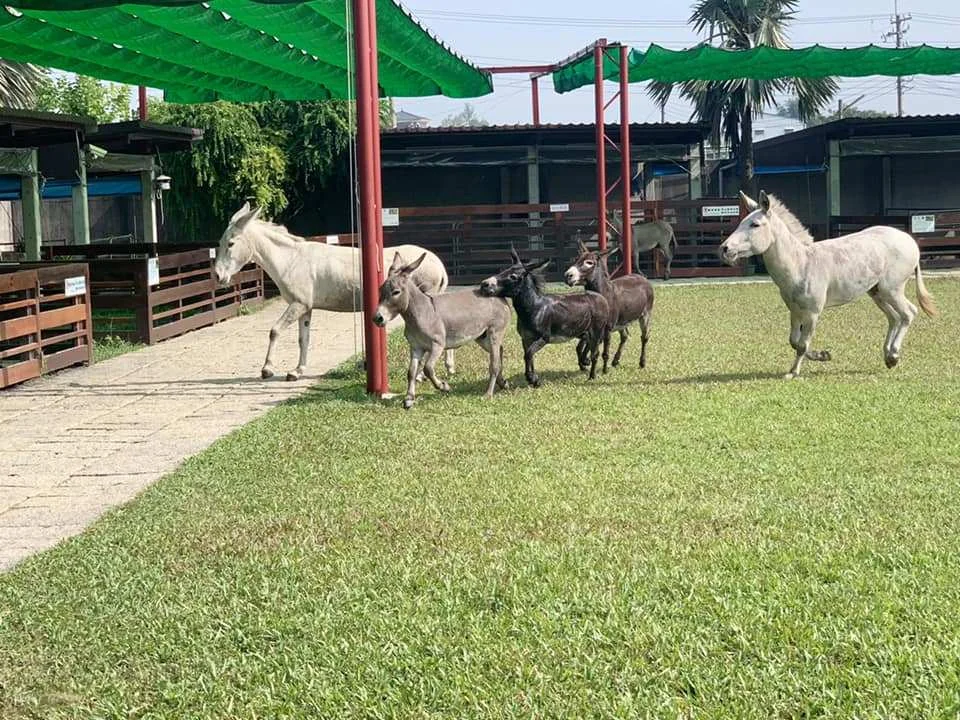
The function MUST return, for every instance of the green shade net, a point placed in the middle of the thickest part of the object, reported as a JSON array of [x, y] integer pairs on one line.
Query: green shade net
[[240, 50], [763, 63]]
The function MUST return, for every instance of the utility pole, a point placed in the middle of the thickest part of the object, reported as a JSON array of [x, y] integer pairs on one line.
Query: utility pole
[[841, 106], [900, 28]]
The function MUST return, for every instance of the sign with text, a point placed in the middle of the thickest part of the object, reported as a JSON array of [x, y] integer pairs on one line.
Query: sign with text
[[559, 207], [213, 253], [923, 223], [153, 272], [713, 211], [74, 286], [334, 239], [391, 217]]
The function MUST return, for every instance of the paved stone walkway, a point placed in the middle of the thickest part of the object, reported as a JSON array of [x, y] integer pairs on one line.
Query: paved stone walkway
[[75, 444]]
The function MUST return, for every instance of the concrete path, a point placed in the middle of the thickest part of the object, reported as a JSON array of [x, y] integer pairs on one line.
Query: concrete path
[[75, 444]]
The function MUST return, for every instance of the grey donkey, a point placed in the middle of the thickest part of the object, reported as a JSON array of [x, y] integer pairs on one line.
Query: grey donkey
[[435, 323]]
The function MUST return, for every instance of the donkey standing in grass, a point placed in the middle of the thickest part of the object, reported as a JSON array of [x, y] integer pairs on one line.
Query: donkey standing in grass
[[432, 324], [543, 319], [309, 275], [811, 276], [646, 236], [630, 298]]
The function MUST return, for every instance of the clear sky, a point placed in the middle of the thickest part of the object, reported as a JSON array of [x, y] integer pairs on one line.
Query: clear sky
[[507, 32]]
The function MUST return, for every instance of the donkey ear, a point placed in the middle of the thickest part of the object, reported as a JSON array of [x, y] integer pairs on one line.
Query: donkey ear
[[240, 213], [536, 266], [749, 202], [514, 256], [242, 222], [414, 265], [583, 248], [397, 264], [764, 201]]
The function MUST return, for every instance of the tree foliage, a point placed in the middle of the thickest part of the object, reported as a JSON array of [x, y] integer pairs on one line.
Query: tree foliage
[[234, 161], [468, 117], [82, 95], [730, 106], [851, 112]]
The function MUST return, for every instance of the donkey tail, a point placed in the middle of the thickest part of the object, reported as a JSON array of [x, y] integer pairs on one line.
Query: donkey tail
[[444, 279], [925, 298]]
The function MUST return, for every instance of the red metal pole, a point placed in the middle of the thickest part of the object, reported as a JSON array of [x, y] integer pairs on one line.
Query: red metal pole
[[142, 102], [377, 190], [365, 45], [626, 237], [535, 93], [601, 149]]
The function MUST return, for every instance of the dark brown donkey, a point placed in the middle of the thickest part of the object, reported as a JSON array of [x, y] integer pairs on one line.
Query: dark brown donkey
[[629, 297], [543, 318]]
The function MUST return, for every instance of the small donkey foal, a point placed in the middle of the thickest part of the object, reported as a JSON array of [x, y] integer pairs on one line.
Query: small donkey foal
[[435, 323]]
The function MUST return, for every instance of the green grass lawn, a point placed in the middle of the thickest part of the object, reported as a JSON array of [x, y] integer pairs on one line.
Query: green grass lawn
[[700, 539]]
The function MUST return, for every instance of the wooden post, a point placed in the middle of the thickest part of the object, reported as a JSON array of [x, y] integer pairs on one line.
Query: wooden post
[[81, 206], [148, 205], [31, 203]]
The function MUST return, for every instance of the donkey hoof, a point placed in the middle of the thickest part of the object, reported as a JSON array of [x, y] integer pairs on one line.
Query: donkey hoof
[[790, 376], [533, 381], [421, 377], [444, 387], [891, 361], [293, 376], [266, 373], [825, 356], [408, 403]]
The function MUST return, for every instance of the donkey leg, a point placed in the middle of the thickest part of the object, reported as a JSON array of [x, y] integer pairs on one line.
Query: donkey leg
[[668, 254], [293, 311], [907, 312], [624, 334], [501, 380], [807, 324], [893, 319], [645, 321], [606, 350], [430, 370], [583, 359], [416, 354], [594, 356], [529, 351], [304, 339], [450, 362]]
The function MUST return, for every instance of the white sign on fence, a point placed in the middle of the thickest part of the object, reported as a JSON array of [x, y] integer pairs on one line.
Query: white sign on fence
[[391, 217], [720, 210], [153, 271], [334, 239], [923, 223], [559, 207], [74, 286], [213, 253]]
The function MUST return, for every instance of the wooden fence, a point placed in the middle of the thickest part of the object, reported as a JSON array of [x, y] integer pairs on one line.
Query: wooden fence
[[45, 320], [150, 293], [474, 240], [939, 248]]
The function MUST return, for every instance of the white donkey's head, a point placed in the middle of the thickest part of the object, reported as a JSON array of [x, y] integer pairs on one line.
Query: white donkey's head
[[753, 235], [236, 245]]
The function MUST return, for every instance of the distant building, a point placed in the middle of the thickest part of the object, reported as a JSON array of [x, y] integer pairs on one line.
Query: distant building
[[405, 120]]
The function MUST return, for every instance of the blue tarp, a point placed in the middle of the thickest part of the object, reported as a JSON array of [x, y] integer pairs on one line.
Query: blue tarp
[[113, 186]]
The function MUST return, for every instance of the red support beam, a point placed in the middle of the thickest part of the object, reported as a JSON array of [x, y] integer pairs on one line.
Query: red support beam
[[535, 95], [142, 102], [601, 145], [368, 131], [626, 237], [519, 69]]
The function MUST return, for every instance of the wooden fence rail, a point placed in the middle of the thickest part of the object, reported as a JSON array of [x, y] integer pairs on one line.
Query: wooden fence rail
[[151, 298], [939, 248], [45, 320]]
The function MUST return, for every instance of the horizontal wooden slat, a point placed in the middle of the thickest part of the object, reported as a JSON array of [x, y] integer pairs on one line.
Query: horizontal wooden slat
[[180, 309], [181, 292], [21, 372], [179, 327], [62, 316], [16, 281], [18, 327], [78, 355], [19, 350]]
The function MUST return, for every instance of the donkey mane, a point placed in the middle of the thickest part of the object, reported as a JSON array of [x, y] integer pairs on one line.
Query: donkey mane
[[280, 230], [796, 228]]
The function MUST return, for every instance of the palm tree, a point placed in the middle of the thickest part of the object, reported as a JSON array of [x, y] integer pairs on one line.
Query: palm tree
[[730, 106], [18, 84]]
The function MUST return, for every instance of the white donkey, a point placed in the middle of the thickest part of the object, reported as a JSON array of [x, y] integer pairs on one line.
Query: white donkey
[[309, 275], [811, 276]]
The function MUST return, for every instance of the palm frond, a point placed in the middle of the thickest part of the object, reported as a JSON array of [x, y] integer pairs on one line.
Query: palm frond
[[18, 84]]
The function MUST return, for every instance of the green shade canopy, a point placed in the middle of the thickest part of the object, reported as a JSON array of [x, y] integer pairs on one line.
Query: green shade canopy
[[240, 50], [763, 63]]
